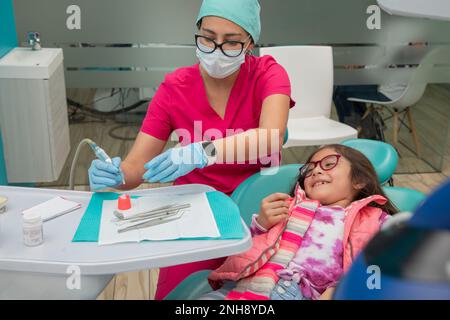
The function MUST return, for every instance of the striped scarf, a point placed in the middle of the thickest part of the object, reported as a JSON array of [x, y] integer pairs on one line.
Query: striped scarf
[[260, 285]]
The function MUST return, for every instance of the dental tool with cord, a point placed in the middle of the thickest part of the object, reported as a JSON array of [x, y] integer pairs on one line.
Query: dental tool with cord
[[101, 154], [128, 215], [110, 167]]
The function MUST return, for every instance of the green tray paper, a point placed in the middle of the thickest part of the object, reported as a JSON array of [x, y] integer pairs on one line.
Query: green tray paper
[[226, 213]]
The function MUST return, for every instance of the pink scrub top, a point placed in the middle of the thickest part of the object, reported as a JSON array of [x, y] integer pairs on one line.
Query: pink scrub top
[[181, 103]]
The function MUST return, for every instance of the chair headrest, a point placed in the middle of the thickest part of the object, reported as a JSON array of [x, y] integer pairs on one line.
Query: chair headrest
[[382, 155]]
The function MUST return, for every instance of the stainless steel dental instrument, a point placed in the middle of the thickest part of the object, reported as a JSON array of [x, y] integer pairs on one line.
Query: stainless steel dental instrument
[[152, 222], [149, 213], [166, 214]]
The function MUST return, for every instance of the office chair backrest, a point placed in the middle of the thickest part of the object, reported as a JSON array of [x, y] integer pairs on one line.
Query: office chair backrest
[[418, 82], [310, 70], [413, 93]]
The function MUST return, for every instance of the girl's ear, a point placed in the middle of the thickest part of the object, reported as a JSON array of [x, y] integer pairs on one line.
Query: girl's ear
[[359, 186]]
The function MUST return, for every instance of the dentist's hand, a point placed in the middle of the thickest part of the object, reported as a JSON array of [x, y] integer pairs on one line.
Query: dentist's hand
[[175, 163], [105, 175]]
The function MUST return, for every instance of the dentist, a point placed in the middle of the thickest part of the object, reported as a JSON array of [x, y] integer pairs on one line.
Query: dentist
[[221, 109]]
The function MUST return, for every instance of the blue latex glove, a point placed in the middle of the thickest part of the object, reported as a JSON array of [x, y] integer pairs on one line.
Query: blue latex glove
[[105, 175], [175, 163]]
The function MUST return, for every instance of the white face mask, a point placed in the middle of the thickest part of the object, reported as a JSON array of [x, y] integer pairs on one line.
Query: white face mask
[[218, 65]]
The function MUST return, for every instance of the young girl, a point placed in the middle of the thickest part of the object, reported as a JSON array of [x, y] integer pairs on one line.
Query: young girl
[[304, 242]]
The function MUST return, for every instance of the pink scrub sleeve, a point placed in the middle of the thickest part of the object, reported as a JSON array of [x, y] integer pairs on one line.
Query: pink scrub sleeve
[[157, 122], [274, 80]]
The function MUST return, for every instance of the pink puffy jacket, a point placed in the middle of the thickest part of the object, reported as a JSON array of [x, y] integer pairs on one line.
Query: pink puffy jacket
[[361, 223]]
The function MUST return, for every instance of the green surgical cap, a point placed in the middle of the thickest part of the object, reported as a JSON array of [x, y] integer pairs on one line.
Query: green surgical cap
[[245, 13]]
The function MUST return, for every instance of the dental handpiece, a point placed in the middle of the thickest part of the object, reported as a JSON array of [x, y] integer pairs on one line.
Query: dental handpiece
[[102, 155]]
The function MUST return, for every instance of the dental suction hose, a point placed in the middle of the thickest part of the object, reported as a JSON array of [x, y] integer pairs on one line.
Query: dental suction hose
[[97, 150]]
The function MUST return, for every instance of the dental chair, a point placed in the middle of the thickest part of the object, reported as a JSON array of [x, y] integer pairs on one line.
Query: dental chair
[[248, 196]]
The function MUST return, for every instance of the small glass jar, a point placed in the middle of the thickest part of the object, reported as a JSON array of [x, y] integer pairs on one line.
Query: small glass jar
[[33, 231]]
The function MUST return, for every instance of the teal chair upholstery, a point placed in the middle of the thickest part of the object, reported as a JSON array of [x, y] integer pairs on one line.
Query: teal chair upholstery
[[383, 156], [406, 200], [286, 136], [191, 288]]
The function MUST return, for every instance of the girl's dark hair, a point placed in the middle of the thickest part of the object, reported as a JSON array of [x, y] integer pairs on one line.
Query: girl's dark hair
[[362, 172]]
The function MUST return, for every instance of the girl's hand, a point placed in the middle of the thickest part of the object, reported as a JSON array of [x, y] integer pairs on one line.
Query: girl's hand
[[328, 294], [274, 209]]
